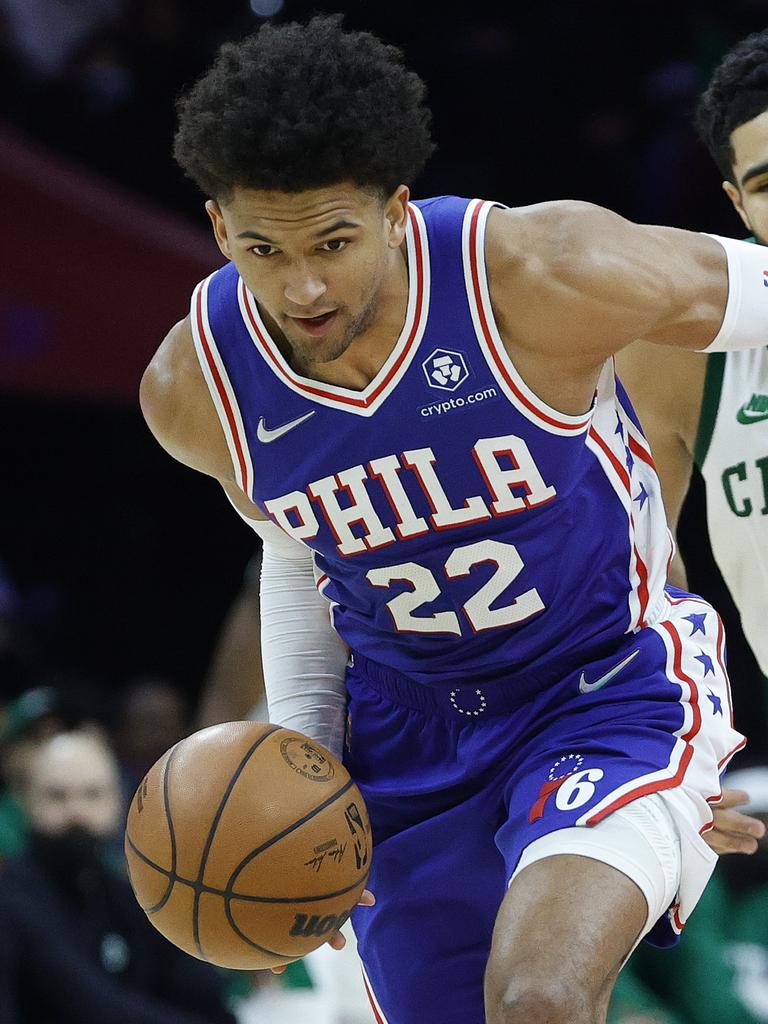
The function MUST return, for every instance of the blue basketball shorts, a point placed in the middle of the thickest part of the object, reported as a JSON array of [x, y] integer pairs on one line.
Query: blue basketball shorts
[[460, 781]]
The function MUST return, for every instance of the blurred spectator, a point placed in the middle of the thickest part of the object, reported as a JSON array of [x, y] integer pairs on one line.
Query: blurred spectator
[[234, 688], [35, 716], [75, 945], [719, 972], [152, 716]]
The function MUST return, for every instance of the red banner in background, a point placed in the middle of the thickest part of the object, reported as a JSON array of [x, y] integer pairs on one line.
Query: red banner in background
[[91, 278]]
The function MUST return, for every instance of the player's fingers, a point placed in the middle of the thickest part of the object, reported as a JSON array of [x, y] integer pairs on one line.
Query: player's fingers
[[732, 798], [337, 941], [735, 821], [367, 899], [728, 842], [277, 970]]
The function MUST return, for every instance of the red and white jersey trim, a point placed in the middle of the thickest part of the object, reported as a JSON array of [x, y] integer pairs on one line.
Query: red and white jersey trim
[[650, 547], [366, 402], [220, 387], [683, 750], [491, 344], [377, 1011]]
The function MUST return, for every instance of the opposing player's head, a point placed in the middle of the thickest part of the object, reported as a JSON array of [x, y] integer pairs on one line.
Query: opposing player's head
[[305, 138], [732, 118]]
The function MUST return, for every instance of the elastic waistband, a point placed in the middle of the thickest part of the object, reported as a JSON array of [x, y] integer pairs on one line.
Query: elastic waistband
[[468, 701]]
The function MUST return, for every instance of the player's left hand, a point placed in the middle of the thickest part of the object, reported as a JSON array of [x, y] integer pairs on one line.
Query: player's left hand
[[733, 831]]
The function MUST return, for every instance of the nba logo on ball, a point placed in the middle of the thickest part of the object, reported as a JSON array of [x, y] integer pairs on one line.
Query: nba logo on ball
[[445, 369]]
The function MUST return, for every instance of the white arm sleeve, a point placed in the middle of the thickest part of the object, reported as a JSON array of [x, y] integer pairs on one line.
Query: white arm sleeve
[[745, 321], [304, 658]]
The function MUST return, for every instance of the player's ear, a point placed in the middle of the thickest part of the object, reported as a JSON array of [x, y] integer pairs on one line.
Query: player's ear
[[213, 210], [396, 215], [734, 195]]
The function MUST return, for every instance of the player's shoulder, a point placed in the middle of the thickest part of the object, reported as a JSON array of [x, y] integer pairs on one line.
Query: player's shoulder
[[177, 405], [551, 251], [544, 232]]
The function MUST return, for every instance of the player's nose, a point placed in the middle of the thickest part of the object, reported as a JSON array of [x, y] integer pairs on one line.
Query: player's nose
[[303, 289]]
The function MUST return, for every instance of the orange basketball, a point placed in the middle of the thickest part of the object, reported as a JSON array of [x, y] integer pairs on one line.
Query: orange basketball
[[248, 845]]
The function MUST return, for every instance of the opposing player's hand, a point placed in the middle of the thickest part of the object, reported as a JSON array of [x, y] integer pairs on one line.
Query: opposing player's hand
[[338, 940], [733, 831]]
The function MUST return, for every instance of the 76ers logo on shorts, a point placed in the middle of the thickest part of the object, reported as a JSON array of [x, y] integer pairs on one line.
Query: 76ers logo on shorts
[[445, 369], [572, 786]]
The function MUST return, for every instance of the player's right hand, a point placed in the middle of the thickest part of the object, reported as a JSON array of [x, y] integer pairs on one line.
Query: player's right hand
[[733, 832], [338, 940]]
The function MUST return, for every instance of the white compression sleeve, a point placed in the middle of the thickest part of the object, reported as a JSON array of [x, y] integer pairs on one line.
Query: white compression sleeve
[[745, 321], [304, 658]]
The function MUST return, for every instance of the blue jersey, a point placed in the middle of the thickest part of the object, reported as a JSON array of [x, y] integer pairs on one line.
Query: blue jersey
[[460, 525]]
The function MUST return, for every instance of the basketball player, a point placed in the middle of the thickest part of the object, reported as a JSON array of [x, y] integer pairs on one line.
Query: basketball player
[[414, 404], [714, 411]]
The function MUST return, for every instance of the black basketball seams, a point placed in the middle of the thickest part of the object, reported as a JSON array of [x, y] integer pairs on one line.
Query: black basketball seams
[[254, 945], [212, 832], [229, 894], [286, 831], [171, 875]]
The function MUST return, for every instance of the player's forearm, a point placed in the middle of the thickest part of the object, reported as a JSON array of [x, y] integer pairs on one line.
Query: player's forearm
[[304, 658]]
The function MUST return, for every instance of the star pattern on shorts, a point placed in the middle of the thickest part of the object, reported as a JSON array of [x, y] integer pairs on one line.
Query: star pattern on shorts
[[696, 620], [630, 460], [642, 495], [706, 661], [717, 704], [619, 427]]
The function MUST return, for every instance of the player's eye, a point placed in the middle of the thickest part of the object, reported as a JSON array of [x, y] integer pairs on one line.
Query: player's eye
[[335, 244], [262, 250]]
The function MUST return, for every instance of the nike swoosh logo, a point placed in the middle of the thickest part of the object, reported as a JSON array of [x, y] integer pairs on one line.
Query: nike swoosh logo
[[747, 416], [585, 687], [267, 436]]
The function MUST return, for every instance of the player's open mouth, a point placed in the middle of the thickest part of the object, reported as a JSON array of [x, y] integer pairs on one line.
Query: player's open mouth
[[316, 325]]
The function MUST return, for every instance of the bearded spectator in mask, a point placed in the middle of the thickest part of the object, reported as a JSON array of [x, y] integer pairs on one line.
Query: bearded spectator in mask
[[74, 944]]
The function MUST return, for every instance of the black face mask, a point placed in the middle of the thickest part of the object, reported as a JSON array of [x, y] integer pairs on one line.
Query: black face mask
[[72, 859]]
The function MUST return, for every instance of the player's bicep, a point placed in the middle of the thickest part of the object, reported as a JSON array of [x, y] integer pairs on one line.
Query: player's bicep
[[584, 282]]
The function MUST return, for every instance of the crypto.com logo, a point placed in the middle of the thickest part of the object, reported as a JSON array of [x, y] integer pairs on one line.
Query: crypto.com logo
[[445, 369]]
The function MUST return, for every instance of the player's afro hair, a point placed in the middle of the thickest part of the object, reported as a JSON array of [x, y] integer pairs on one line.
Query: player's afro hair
[[737, 92], [295, 107]]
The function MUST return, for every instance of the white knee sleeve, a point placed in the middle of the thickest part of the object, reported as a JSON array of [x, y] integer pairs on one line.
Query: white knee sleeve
[[641, 840]]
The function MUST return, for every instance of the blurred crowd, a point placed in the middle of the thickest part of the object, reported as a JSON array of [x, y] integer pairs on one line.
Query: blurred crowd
[[95, 81]]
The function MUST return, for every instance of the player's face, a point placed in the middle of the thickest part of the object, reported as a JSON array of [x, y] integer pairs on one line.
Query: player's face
[[318, 262], [750, 167]]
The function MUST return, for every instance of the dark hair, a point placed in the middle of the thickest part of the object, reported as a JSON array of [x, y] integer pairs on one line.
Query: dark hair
[[737, 92], [295, 107]]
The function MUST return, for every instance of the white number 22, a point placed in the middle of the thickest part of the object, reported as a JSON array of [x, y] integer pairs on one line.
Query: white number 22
[[477, 609]]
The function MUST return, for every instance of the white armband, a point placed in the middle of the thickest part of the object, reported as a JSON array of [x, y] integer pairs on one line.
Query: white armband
[[745, 322], [304, 658]]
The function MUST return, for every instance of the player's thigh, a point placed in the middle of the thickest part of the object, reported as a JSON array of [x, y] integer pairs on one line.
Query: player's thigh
[[563, 931], [425, 943]]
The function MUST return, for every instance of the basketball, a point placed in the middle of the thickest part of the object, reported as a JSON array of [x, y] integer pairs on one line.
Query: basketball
[[247, 845]]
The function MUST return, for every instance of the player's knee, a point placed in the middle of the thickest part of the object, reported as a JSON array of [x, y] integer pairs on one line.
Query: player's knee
[[539, 1001]]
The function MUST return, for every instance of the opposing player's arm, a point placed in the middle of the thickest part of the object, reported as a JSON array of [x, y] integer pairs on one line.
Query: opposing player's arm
[[577, 282], [665, 386]]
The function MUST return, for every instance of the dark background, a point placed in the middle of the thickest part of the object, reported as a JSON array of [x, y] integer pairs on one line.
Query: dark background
[[116, 560]]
